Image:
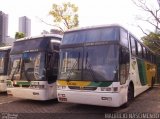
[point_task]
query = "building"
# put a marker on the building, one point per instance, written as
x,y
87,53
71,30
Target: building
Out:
x,y
25,25
3,27
9,40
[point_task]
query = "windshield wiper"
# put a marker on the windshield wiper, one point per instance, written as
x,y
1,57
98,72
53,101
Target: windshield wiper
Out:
x,y
73,67
89,68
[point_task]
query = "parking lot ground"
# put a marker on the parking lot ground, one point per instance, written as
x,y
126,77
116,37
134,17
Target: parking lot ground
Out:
x,y
146,103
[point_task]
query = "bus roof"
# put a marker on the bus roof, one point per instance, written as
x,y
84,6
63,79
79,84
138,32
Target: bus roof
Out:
x,y
40,36
5,48
93,27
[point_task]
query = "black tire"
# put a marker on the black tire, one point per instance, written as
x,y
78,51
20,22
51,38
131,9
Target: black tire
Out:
x,y
152,82
130,96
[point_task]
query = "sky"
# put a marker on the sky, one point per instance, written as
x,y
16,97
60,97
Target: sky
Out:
x,y
91,12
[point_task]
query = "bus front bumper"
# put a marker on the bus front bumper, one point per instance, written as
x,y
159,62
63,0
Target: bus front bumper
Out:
x,y
27,93
3,87
91,98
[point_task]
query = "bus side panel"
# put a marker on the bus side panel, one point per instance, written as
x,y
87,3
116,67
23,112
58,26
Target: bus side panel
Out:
x,y
142,72
150,71
137,75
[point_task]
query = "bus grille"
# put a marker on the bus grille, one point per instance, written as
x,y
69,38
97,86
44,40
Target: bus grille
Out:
x,y
16,85
82,88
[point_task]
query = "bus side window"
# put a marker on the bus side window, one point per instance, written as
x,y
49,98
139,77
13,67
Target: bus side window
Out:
x,y
133,46
52,67
124,65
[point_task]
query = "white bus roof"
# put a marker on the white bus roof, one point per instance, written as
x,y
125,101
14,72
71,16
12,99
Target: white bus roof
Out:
x,y
40,36
94,27
5,48
55,41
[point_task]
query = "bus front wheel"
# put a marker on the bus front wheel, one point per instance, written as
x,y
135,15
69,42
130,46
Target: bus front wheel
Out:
x,y
130,95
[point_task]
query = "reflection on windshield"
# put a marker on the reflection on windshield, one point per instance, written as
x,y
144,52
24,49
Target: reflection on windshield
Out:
x,y
2,60
33,66
71,64
15,62
29,65
91,35
100,63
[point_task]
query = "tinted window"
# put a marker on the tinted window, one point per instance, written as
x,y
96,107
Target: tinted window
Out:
x,y
124,65
139,49
124,38
3,58
133,47
91,35
144,52
104,65
30,45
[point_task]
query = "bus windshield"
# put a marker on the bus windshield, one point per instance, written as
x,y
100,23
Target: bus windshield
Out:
x,y
30,65
33,66
2,61
92,63
91,35
71,64
14,67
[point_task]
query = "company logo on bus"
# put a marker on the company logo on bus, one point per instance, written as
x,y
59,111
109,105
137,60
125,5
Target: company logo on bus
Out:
x,y
71,83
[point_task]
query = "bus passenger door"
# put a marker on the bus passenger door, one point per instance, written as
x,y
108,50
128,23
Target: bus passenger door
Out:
x,y
123,72
52,67
124,65
51,73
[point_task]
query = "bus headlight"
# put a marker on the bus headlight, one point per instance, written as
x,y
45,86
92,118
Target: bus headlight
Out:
x,y
110,89
9,84
37,86
61,87
106,88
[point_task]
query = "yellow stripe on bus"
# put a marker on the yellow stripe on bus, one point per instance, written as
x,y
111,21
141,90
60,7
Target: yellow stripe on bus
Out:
x,y
74,83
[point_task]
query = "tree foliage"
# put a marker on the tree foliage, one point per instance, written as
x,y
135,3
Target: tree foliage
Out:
x,y
65,15
152,40
19,35
152,14
2,44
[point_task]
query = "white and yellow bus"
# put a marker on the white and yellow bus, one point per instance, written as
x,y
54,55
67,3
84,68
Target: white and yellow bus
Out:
x,y
33,67
103,65
4,61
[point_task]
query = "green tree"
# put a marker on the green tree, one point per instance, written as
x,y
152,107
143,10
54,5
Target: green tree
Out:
x,y
19,35
152,40
151,15
65,15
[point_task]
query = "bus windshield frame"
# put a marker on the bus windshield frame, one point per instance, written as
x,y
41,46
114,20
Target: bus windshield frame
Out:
x,y
90,63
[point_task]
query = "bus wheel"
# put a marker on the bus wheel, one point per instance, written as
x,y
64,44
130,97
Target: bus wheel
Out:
x,y
152,82
130,95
